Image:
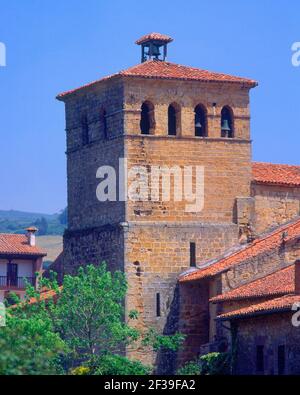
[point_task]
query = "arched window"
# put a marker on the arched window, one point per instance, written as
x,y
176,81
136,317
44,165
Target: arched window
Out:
x,y
200,121
227,122
147,118
103,124
85,130
173,119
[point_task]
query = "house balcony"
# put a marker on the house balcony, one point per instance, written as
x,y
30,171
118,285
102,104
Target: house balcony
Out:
x,y
16,283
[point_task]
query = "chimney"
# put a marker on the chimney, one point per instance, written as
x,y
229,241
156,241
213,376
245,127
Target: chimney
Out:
x,y
297,277
31,236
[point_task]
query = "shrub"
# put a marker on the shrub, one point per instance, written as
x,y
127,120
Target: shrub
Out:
x,y
190,369
80,371
214,364
116,365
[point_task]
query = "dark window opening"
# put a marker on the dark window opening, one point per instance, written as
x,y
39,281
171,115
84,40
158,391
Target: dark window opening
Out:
x,y
260,363
158,311
193,254
227,123
147,122
172,121
200,122
281,360
12,275
85,131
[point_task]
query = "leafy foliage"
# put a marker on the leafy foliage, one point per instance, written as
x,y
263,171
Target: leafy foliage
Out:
x,y
190,369
213,364
157,341
29,345
89,312
118,365
81,331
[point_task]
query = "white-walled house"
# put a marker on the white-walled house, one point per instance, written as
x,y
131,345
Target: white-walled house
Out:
x,y
20,260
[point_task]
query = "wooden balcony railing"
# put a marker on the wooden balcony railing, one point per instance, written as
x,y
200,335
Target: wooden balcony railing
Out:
x,y
18,282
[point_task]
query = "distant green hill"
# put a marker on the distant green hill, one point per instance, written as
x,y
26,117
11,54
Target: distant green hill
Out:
x,y
16,221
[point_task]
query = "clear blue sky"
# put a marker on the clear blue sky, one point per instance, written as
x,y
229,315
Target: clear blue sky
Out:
x,y
56,45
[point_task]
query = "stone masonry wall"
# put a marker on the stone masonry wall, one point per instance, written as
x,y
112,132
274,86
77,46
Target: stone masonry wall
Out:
x,y
274,205
226,162
84,210
92,247
155,255
187,95
226,165
260,266
280,331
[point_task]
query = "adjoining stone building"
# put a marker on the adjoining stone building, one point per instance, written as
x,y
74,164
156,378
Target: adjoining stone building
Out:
x,y
169,117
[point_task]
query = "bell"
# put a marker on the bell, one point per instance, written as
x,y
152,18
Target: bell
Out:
x,y
225,126
156,51
198,125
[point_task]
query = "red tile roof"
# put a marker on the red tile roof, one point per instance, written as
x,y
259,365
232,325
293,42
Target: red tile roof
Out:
x,y
154,36
18,245
157,69
279,283
266,243
278,305
269,173
46,295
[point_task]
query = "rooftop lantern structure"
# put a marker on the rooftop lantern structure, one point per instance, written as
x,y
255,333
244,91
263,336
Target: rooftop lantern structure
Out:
x,y
154,46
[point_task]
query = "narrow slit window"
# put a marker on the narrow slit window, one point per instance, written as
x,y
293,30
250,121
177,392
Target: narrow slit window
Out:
x,y
158,308
260,363
193,254
281,360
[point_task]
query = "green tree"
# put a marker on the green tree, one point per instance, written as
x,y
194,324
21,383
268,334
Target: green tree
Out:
x,y
83,324
42,226
63,217
89,313
29,345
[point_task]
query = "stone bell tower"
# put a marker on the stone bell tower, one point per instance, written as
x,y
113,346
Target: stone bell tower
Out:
x,y
156,124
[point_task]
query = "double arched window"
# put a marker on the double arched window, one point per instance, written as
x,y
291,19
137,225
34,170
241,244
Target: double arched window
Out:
x,y
147,123
174,120
200,121
227,122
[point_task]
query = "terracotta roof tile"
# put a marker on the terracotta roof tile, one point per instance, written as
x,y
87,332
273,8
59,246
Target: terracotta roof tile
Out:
x,y
46,295
11,244
266,243
269,173
277,305
157,69
154,36
279,283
